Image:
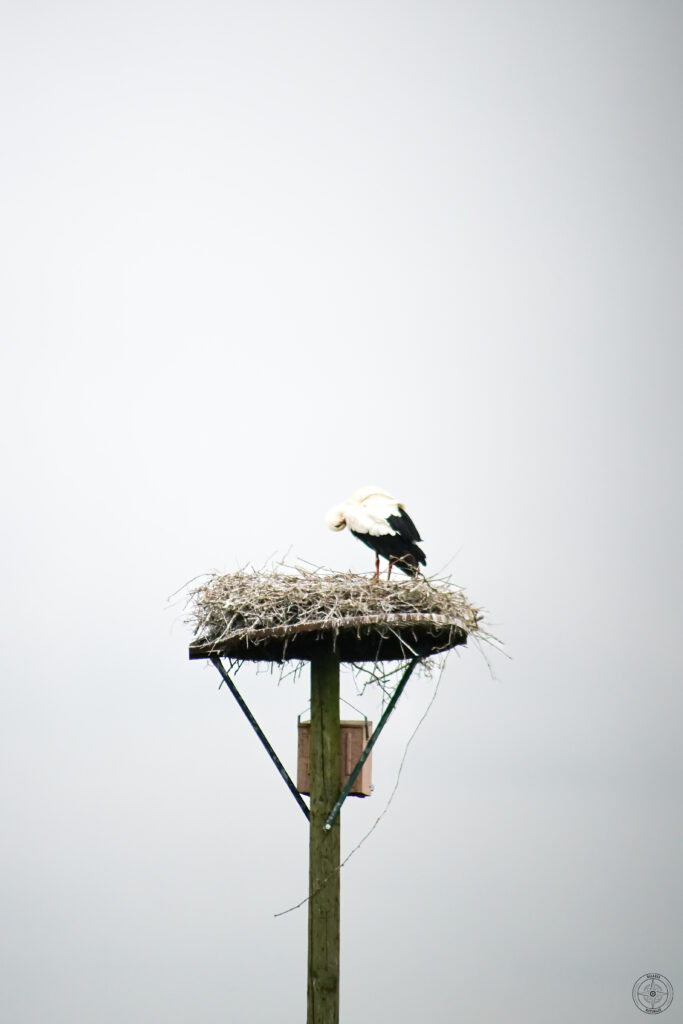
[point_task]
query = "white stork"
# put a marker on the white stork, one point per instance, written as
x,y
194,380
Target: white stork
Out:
x,y
381,522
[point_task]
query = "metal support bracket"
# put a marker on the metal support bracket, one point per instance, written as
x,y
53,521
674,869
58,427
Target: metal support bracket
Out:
x,y
259,732
370,744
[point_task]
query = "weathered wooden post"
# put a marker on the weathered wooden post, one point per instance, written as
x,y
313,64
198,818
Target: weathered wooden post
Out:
x,y
324,846
326,619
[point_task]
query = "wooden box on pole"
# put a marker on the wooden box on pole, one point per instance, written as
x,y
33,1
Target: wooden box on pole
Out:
x,y
352,738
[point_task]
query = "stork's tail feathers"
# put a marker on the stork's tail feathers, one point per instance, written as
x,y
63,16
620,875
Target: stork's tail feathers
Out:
x,y
410,562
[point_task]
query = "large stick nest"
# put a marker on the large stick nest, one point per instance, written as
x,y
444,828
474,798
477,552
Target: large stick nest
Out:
x,y
281,614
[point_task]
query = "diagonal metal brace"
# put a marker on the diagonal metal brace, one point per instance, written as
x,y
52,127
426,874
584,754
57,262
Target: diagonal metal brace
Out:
x,y
370,744
259,732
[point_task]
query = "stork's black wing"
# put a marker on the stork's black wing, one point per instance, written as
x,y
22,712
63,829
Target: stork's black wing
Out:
x,y
404,526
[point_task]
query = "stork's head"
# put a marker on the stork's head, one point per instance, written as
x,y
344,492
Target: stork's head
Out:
x,y
336,518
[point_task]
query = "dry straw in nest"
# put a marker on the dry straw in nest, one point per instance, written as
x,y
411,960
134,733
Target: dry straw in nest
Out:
x,y
274,610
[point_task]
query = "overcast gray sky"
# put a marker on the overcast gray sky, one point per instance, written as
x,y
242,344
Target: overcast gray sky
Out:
x,y
256,256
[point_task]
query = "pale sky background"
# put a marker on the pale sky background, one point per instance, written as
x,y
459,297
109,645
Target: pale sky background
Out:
x,y
258,255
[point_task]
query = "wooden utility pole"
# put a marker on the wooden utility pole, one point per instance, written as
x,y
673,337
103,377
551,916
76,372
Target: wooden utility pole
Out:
x,y
349,630
323,905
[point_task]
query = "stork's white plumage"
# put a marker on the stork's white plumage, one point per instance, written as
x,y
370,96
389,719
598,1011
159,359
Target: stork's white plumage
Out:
x,y
380,521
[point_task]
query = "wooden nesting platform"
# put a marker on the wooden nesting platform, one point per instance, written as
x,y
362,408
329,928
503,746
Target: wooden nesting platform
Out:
x,y
392,638
275,616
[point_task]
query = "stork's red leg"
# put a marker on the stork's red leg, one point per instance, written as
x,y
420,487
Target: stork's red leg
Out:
x,y
391,562
377,568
